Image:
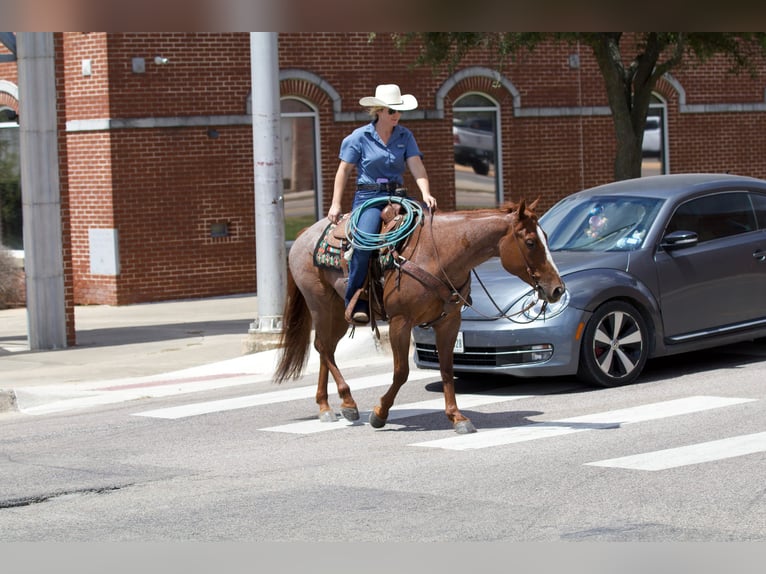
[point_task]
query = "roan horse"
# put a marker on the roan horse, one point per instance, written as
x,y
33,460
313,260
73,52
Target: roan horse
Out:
x,y
429,286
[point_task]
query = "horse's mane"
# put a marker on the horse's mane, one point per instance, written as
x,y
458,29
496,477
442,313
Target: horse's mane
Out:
x,y
506,207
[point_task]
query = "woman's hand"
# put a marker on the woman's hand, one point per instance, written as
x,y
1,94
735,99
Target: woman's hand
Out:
x,y
334,213
430,201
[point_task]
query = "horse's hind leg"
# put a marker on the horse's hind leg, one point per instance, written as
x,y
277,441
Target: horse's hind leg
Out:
x,y
348,407
326,413
325,342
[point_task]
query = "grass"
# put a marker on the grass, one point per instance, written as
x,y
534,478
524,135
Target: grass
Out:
x,y
294,224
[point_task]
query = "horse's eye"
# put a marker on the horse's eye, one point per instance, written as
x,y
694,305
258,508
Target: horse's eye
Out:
x,y
530,243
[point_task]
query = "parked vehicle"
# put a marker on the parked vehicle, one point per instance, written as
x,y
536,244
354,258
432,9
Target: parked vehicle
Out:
x,y
653,266
652,143
474,143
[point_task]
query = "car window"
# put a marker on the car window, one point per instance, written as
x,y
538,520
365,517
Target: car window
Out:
x,y
613,223
715,216
652,123
759,206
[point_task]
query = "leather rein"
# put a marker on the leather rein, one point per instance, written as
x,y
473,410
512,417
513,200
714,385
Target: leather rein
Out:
x,y
451,295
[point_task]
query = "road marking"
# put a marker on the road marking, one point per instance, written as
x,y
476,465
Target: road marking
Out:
x,y
203,408
605,420
430,406
691,454
61,398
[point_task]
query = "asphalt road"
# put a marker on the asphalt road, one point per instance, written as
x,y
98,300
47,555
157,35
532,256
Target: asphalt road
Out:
x,y
677,457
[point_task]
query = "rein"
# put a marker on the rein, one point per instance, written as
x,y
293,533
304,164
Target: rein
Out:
x,y
467,303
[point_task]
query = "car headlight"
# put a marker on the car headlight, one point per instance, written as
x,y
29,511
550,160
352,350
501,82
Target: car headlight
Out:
x,y
531,307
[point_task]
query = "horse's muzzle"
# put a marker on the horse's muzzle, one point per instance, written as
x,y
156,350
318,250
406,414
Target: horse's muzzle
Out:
x,y
551,295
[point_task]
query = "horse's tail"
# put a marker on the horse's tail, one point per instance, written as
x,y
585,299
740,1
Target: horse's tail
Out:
x,y
296,334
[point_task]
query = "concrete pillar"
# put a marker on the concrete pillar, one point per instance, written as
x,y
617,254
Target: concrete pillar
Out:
x,y
269,202
41,195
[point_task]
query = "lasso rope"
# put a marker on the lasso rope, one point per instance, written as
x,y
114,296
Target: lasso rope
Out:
x,y
413,215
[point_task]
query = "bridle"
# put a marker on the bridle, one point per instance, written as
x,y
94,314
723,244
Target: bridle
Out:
x,y
501,315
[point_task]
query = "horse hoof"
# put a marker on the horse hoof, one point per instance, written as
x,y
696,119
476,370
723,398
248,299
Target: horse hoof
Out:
x,y
327,417
350,413
376,421
464,427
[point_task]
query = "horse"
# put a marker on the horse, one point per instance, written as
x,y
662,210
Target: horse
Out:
x,y
428,285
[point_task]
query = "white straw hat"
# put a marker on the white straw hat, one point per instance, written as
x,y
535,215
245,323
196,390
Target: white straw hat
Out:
x,y
389,96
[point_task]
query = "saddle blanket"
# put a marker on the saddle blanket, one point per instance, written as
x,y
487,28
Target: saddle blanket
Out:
x,y
330,256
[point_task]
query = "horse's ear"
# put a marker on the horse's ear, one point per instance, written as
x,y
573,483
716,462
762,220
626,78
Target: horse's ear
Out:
x,y
522,209
533,205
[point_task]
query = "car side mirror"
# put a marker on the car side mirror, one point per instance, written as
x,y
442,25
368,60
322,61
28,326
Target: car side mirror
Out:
x,y
679,240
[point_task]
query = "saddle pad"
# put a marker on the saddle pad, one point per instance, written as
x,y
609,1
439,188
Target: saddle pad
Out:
x,y
326,255
329,256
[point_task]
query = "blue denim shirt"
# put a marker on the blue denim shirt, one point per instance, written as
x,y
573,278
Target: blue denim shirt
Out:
x,y
375,160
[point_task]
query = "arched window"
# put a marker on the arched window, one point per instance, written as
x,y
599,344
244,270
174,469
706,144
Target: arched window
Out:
x,y
475,127
654,149
10,187
300,171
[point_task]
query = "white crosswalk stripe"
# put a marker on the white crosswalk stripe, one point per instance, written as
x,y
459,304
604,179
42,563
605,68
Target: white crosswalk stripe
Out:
x,y
466,401
306,392
690,454
608,419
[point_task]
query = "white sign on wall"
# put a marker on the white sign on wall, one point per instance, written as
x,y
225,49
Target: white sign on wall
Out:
x,y
104,252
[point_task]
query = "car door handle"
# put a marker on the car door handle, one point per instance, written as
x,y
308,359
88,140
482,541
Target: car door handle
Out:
x,y
759,254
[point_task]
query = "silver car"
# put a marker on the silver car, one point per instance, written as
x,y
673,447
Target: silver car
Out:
x,y
653,266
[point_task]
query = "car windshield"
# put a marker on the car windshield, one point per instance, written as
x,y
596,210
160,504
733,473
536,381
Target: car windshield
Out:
x,y
600,223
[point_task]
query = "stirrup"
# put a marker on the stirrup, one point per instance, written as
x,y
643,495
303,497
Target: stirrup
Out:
x,y
360,318
357,317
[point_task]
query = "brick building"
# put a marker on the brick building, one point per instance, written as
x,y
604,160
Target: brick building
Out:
x,y
156,158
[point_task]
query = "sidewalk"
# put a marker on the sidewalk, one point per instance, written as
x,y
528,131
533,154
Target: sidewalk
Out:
x,y
150,349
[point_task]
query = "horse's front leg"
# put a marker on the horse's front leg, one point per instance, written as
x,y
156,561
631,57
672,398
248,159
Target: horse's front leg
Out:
x,y
446,335
399,332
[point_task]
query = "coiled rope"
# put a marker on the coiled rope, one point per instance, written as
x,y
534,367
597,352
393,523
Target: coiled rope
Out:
x,y
412,216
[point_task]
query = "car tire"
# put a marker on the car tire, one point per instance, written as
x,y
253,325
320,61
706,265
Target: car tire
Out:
x,y
481,166
615,346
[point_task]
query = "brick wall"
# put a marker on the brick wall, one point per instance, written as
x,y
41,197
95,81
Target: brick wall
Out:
x,y
163,186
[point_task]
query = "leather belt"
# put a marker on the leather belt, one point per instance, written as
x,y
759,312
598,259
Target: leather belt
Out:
x,y
390,187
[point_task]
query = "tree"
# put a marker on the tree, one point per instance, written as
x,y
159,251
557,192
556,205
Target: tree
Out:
x,y
10,196
629,80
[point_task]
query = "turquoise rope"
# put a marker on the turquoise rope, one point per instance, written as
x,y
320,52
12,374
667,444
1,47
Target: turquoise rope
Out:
x,y
413,214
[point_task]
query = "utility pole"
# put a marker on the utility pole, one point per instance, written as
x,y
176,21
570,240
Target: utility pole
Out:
x,y
269,202
41,193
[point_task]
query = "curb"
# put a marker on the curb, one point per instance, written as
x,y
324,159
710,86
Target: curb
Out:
x,y
354,350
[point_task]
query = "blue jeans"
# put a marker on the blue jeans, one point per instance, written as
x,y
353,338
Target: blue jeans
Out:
x,y
369,222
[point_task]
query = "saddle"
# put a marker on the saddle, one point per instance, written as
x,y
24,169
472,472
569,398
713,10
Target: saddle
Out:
x,y
390,219
333,251
333,246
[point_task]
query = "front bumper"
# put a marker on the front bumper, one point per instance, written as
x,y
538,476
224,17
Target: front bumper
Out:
x,y
539,348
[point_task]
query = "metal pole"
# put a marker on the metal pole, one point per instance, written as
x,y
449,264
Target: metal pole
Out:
x,y
267,164
41,195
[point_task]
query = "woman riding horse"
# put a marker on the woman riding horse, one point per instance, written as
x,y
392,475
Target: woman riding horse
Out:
x,y
429,284
380,151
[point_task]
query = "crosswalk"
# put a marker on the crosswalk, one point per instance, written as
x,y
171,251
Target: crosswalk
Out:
x,y
196,409
605,420
690,454
674,457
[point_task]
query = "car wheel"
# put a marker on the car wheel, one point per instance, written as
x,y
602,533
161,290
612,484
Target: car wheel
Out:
x,y
615,346
481,166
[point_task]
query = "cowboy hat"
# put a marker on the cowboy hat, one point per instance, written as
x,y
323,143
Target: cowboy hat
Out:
x,y
389,96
